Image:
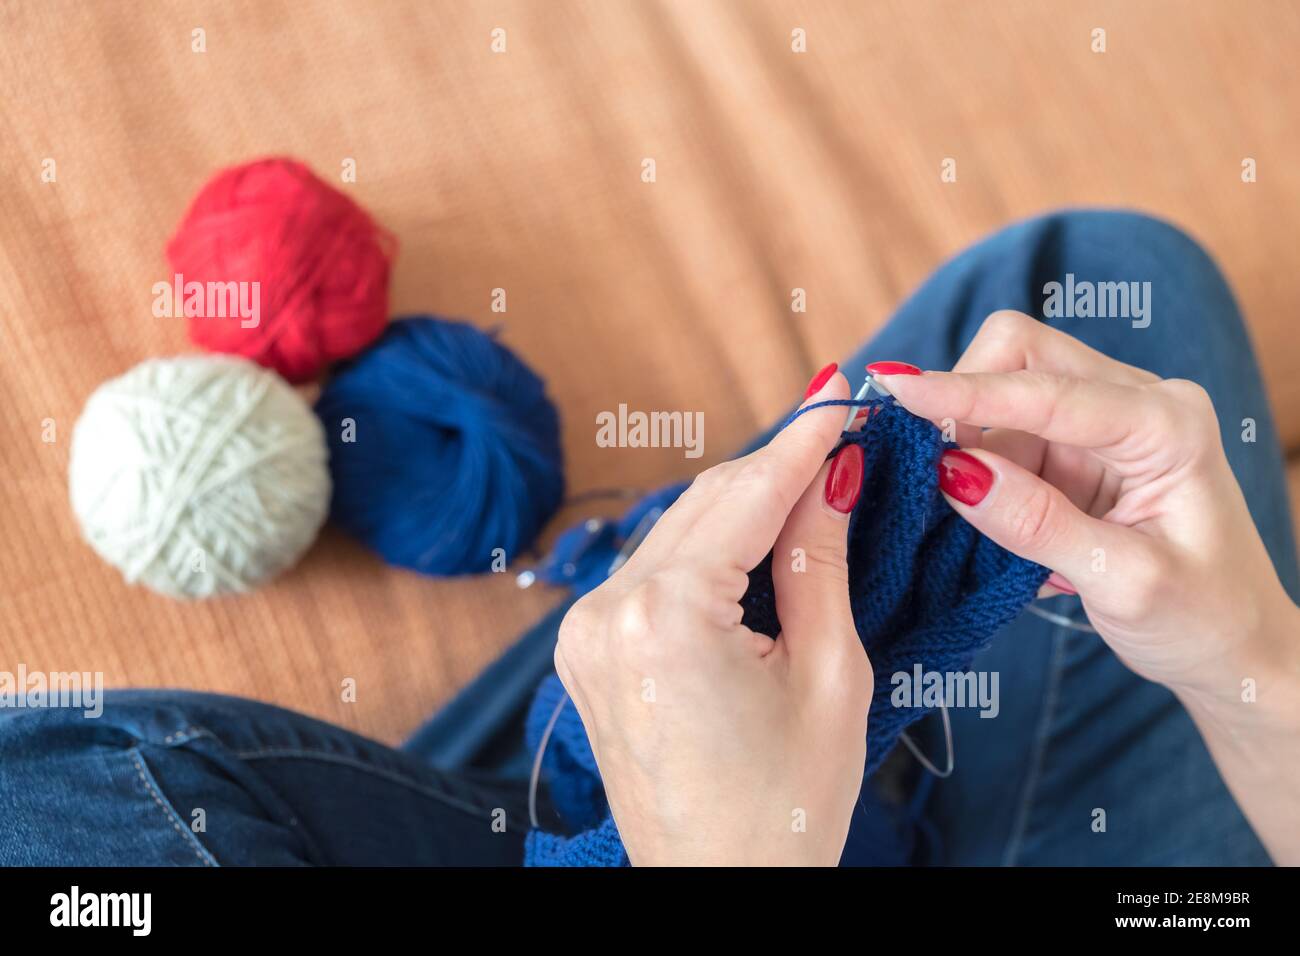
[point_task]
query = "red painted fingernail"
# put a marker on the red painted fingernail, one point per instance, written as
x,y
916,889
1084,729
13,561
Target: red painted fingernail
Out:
x,y
964,476
892,368
820,379
1060,583
844,480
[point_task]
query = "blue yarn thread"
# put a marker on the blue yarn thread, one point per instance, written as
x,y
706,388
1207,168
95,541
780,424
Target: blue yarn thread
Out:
x,y
456,448
842,403
924,586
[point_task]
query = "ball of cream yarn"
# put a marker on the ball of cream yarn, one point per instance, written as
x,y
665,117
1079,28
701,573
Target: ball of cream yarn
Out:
x,y
198,475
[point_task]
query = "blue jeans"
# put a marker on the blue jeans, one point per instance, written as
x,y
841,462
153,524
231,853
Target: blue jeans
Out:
x,y
171,777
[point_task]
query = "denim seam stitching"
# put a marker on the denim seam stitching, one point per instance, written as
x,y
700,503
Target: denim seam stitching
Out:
x,y
365,768
184,736
1039,753
172,817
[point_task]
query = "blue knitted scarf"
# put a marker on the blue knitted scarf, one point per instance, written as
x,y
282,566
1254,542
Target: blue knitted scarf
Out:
x,y
925,587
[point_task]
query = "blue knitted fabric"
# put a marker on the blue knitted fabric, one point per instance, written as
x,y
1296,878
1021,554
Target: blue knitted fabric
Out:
x,y
925,588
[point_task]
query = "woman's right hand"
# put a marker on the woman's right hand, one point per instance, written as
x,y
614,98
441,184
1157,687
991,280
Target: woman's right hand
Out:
x,y
1118,482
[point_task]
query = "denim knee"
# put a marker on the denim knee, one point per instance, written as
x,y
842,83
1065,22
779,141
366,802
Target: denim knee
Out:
x,y
137,785
1165,284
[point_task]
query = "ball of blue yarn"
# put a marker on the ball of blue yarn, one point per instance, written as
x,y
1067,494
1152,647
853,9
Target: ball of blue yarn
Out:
x,y
443,448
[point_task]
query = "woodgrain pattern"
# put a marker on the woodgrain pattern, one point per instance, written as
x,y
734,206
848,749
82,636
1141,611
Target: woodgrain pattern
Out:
x,y
522,171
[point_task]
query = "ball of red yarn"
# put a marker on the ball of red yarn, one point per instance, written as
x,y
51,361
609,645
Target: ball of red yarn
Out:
x,y
320,262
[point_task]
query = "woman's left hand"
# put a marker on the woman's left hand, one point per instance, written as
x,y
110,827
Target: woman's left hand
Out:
x,y
718,745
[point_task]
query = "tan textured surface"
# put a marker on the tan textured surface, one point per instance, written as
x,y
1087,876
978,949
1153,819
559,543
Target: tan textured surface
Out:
x,y
521,171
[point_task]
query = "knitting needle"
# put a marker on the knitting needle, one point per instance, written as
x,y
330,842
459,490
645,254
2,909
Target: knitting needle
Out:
x,y
871,383
863,392
947,742
526,578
